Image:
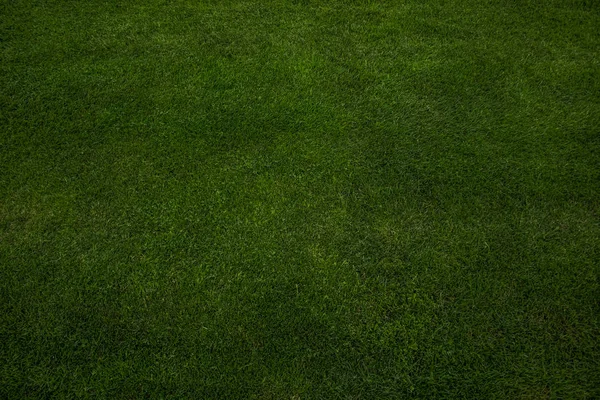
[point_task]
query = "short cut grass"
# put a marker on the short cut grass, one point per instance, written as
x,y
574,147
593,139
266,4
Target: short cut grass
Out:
x,y
299,199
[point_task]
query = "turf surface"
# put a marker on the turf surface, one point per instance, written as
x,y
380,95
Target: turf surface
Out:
x,y
299,199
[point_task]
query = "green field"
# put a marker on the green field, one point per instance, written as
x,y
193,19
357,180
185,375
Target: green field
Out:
x,y
304,199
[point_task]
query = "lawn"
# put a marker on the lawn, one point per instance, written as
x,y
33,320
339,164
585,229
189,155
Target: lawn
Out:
x,y
279,199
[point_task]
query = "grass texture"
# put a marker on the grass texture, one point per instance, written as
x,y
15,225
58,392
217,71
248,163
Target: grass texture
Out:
x,y
286,199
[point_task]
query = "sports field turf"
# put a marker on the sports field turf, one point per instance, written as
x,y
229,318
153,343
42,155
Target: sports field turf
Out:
x,y
286,199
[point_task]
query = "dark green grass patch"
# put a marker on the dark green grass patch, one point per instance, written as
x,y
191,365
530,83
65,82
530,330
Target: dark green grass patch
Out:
x,y
299,199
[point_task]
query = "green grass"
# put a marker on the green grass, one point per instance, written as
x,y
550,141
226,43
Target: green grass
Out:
x,y
302,199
